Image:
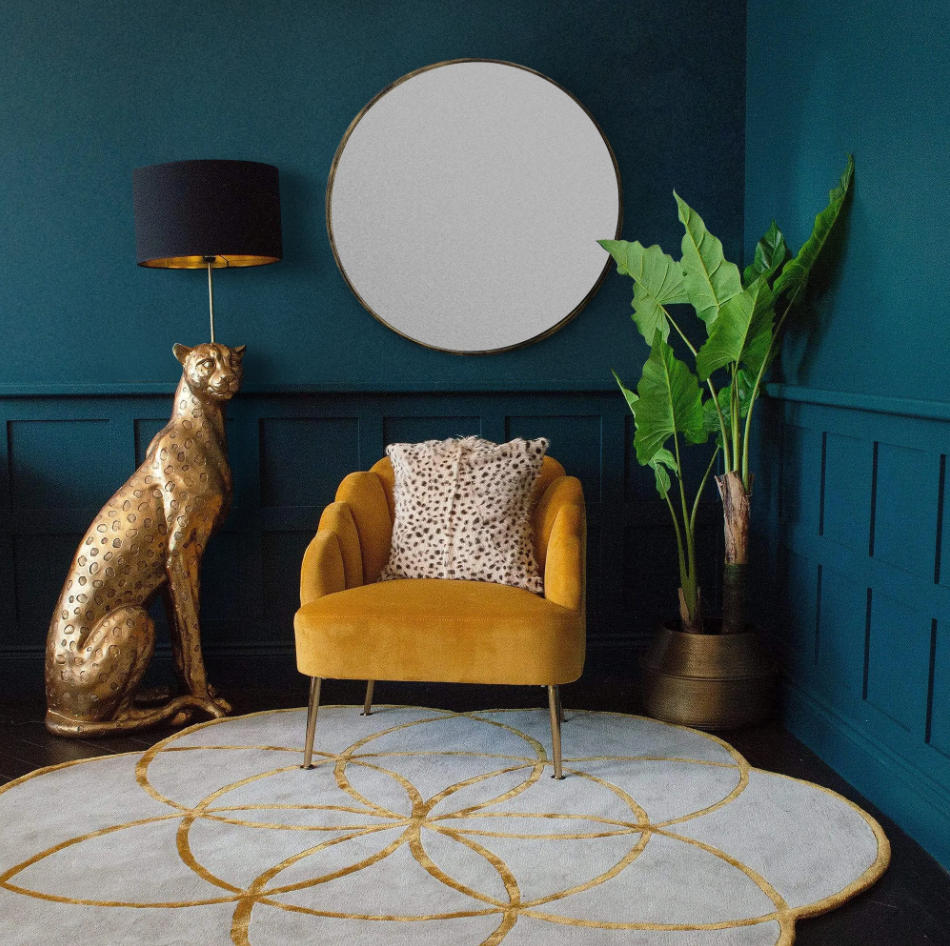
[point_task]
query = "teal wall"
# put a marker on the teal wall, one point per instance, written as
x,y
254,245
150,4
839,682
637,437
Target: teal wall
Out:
x,y
90,91
853,499
872,78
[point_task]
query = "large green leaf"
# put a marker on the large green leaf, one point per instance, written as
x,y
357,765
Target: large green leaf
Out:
x,y
669,402
662,462
742,333
795,275
770,254
658,281
630,397
711,280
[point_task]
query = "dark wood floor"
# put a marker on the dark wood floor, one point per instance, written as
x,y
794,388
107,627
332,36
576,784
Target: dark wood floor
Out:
x,y
909,906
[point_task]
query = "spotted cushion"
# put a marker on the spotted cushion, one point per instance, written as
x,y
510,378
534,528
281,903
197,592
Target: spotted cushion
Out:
x,y
463,511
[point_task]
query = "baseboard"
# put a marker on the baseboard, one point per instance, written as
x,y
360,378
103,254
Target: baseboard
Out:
x,y
263,664
920,806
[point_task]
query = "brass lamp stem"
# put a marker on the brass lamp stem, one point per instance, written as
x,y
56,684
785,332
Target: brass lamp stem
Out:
x,y
211,300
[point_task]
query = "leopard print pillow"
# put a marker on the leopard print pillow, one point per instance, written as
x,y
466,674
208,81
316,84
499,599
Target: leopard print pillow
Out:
x,y
463,511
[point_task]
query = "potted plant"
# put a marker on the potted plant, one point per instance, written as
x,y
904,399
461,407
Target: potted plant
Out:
x,y
713,674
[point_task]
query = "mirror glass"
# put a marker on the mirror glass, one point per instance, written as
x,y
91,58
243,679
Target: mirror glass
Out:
x,y
465,202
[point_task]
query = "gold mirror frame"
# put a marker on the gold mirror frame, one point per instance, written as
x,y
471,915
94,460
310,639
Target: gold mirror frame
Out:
x,y
404,220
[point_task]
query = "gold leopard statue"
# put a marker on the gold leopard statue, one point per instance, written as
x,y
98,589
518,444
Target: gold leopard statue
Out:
x,y
148,538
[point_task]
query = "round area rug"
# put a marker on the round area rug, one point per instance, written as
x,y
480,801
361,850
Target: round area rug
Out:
x,y
420,826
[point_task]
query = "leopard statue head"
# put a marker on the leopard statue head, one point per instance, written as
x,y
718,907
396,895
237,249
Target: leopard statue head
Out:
x,y
212,370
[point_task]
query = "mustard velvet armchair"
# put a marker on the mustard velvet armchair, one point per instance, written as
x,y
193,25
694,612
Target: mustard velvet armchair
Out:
x,y
352,626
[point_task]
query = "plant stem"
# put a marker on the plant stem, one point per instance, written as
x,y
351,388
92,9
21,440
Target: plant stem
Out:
x,y
722,424
691,620
699,492
692,617
689,538
679,539
736,440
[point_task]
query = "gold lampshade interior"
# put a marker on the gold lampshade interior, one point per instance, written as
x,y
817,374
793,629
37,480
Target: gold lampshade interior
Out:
x,y
202,262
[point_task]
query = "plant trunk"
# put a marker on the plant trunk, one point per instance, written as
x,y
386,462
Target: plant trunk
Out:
x,y
735,507
691,624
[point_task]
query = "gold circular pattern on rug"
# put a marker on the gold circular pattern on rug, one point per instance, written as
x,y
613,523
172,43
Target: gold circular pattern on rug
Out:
x,y
420,826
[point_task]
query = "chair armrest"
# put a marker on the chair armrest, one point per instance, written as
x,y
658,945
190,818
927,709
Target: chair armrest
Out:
x,y
322,570
363,492
565,569
352,541
562,491
338,519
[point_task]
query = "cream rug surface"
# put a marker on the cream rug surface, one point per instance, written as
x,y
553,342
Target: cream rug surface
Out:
x,y
420,826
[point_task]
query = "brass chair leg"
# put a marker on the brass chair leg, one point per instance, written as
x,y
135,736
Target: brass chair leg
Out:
x,y
560,706
554,702
368,704
312,709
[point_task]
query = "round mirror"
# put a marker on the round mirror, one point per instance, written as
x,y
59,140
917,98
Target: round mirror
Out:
x,y
465,202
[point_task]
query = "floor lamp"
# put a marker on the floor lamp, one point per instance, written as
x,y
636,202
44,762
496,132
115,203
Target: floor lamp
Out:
x,y
207,214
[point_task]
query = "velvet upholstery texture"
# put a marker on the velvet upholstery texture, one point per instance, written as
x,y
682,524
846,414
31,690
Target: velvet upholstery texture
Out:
x,y
352,626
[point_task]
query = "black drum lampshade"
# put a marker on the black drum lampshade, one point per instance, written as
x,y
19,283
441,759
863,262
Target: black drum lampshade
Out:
x,y
188,211
207,214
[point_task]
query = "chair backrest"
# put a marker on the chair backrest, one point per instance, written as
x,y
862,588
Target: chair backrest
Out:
x,y
550,471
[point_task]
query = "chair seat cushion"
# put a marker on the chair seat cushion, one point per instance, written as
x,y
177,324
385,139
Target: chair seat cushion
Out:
x,y
436,629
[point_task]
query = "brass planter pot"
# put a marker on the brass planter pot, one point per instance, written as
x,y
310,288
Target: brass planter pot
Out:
x,y
709,681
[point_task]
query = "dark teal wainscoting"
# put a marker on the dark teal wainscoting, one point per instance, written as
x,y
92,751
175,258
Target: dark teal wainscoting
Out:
x,y
66,449
857,518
